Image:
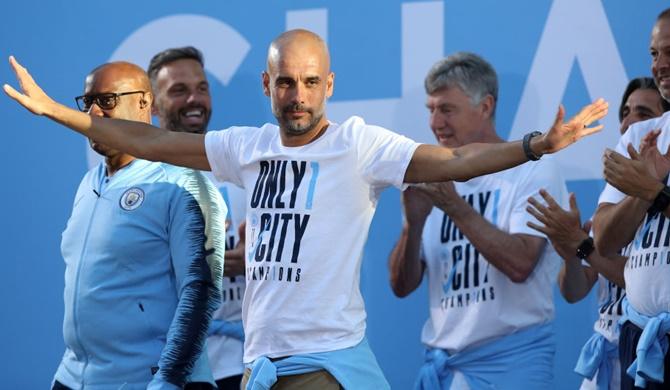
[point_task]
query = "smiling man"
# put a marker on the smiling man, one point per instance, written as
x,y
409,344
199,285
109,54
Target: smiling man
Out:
x,y
183,103
182,99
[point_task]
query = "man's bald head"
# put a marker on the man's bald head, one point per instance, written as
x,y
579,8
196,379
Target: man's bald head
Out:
x,y
122,77
295,43
124,72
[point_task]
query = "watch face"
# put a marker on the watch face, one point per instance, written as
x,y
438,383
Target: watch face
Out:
x,y
585,248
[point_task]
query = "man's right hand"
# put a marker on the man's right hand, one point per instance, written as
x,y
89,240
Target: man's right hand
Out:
x,y
416,205
32,97
233,264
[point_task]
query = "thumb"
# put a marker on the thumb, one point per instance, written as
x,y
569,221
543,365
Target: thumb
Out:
x,y
560,115
573,202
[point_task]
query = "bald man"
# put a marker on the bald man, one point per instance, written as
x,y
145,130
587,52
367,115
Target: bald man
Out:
x,y
143,251
312,187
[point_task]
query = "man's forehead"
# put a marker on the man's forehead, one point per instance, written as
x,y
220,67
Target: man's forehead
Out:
x,y
185,67
108,81
661,30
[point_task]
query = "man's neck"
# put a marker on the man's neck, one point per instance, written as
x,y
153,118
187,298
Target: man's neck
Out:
x,y
306,138
115,163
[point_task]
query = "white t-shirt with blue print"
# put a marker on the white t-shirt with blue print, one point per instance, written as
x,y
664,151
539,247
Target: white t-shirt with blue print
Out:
x,y
309,209
471,302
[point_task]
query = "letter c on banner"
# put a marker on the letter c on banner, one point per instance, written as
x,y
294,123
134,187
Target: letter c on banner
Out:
x,y
209,35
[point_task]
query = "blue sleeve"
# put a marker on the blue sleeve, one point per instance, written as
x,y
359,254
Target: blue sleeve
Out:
x,y
197,244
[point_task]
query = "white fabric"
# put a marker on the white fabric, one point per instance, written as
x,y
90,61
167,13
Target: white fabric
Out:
x,y
610,297
647,271
305,240
225,353
483,304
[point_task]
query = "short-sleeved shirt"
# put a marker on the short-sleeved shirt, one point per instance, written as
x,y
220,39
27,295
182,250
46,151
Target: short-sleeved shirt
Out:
x,y
309,210
471,301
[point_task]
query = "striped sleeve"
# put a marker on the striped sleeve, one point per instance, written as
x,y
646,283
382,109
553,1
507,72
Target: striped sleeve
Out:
x,y
197,246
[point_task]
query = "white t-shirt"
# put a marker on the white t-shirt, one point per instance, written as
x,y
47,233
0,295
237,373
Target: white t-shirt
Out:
x,y
481,303
225,353
309,209
610,297
647,271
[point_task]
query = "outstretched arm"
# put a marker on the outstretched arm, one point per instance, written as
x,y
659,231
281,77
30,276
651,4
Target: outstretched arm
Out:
x,y
435,163
135,138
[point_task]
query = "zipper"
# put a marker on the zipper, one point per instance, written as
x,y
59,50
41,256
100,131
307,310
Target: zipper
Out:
x,y
75,309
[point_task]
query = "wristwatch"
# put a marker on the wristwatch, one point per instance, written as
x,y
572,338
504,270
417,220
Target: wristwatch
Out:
x,y
661,202
526,146
585,248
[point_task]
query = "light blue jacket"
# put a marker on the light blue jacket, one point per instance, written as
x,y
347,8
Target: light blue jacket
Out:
x,y
144,257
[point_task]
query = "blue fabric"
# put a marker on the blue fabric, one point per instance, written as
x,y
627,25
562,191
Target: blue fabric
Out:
x,y
143,268
651,347
520,360
232,329
354,368
596,356
159,384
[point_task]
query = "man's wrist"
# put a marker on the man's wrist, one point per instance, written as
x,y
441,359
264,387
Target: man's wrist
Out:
x,y
585,248
661,201
533,145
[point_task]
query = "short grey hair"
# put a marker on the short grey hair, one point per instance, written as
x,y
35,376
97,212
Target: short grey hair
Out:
x,y
468,71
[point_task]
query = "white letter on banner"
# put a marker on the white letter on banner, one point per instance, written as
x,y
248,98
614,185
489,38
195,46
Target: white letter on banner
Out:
x,y
575,30
223,55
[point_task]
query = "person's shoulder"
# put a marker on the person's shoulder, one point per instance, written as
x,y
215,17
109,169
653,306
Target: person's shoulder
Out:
x,y
180,175
245,131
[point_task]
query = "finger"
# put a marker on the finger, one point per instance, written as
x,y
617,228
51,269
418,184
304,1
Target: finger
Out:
x,y
632,152
539,228
551,202
560,115
590,130
21,73
14,94
538,215
537,205
598,110
573,203
587,226
592,112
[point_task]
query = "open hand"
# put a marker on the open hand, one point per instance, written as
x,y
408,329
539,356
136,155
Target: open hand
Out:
x,y
562,134
561,227
32,97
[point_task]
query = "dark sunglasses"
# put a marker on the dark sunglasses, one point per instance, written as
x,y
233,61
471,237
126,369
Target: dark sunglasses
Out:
x,y
105,101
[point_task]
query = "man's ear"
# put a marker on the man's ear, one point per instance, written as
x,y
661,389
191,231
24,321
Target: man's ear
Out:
x,y
266,83
330,84
488,106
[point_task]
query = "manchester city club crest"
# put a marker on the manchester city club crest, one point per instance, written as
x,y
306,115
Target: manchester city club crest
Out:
x,y
131,199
